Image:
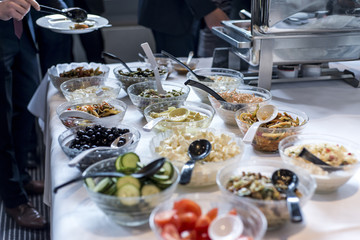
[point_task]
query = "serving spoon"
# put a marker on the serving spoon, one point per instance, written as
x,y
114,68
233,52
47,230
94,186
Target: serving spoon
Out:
x,y
286,181
78,114
190,56
114,57
198,149
314,159
128,137
265,114
148,170
199,77
75,14
176,115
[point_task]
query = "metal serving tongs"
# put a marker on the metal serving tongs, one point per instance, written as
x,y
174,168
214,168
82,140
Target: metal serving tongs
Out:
x,y
75,14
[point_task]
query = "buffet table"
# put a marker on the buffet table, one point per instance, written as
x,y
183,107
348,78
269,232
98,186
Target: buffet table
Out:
x,y
332,106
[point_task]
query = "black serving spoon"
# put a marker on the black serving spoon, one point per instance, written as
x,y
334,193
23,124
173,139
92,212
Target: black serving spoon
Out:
x,y
198,149
114,57
148,170
75,14
286,181
199,77
314,159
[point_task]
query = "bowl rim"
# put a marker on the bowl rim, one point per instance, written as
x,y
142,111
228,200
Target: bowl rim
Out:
x,y
142,65
103,82
153,83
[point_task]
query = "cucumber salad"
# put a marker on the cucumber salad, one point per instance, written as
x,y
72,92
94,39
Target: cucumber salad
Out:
x,y
132,191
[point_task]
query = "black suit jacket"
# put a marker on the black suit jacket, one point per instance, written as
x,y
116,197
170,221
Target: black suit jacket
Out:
x,y
173,17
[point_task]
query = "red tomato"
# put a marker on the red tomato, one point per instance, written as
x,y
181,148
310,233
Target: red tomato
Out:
x,y
202,224
203,236
212,214
244,238
189,235
187,221
169,232
187,205
164,217
233,212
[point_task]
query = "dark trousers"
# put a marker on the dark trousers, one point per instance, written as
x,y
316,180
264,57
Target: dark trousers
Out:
x,y
19,78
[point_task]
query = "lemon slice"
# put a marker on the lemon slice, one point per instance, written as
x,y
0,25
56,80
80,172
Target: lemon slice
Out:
x,y
178,114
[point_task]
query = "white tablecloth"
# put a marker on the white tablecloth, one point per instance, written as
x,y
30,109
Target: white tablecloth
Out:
x,y
333,108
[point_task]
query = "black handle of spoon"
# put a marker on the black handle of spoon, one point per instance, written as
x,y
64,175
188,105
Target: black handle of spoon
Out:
x,y
47,9
293,205
186,172
113,57
178,61
205,88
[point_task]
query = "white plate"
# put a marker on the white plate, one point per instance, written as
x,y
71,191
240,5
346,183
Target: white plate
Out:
x,y
60,24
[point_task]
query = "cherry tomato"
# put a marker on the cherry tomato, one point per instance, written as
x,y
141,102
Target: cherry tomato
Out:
x,y
233,212
202,236
187,205
212,214
164,217
187,221
189,235
169,232
202,224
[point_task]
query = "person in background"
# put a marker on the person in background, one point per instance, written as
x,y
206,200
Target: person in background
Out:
x,y
175,24
19,77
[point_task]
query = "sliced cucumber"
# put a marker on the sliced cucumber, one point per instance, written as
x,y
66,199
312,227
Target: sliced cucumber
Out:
x,y
128,179
118,163
130,160
90,183
169,169
129,194
164,184
149,189
111,190
103,185
159,177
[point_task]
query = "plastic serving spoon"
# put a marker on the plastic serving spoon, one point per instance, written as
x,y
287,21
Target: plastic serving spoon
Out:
x,y
78,114
265,114
199,77
190,56
198,149
74,14
148,170
286,182
128,136
149,54
176,115
314,159
226,227
114,57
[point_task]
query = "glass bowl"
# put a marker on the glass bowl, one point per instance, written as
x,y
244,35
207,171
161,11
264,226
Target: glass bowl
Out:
x,y
227,110
267,139
275,211
90,88
162,60
195,107
129,80
87,70
67,137
180,69
107,121
226,148
142,102
224,79
125,215
337,149
253,219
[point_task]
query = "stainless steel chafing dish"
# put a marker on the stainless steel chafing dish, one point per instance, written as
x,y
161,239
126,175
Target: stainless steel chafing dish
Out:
x,y
284,32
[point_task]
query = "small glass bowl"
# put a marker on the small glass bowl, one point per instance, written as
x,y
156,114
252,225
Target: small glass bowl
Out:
x,y
55,71
276,212
227,148
142,102
227,110
180,69
328,179
202,108
130,216
224,79
108,121
162,60
66,138
90,88
129,80
267,139
252,218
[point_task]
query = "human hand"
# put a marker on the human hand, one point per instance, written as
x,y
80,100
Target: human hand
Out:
x,y
16,9
215,17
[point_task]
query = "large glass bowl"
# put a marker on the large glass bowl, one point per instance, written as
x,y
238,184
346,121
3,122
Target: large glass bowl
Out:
x,y
142,102
68,136
129,80
88,69
328,178
196,107
107,121
90,88
268,139
275,211
224,79
226,148
121,214
253,219
227,110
